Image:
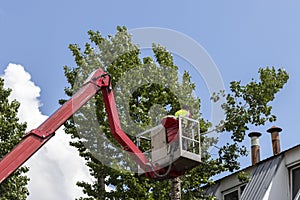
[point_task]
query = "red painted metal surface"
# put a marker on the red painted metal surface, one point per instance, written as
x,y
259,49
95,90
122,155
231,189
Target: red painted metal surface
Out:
x,y
119,135
36,138
20,154
171,125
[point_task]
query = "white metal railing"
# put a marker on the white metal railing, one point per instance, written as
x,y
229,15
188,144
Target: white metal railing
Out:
x,y
189,135
187,139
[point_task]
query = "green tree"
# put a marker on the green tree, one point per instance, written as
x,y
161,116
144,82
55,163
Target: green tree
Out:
x,y
11,132
117,55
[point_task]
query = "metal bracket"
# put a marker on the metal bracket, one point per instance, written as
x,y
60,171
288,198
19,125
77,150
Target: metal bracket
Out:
x,y
102,81
38,133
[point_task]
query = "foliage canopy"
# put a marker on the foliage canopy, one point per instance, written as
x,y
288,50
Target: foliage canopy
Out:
x,y
167,92
11,133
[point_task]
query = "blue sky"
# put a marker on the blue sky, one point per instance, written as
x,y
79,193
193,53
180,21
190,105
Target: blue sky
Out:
x,y
239,36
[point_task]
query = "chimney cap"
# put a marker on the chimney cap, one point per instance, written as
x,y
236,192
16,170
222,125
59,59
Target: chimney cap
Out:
x,y
257,134
274,129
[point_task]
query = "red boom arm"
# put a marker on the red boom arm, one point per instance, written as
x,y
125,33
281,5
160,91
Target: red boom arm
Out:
x,y
36,138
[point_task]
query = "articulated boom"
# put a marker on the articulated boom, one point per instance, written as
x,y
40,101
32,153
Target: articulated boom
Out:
x,y
36,138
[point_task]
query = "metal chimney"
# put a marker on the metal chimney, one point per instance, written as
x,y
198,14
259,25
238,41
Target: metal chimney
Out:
x,y
255,149
274,130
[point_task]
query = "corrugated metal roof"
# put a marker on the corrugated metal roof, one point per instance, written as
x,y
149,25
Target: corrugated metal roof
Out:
x,y
265,168
260,162
261,179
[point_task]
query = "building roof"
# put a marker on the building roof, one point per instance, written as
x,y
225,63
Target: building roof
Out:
x,y
261,179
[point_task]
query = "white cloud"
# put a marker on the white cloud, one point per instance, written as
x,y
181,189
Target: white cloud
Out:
x,y
56,167
26,92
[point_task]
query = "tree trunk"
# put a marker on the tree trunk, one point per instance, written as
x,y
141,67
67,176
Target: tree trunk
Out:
x,y
176,188
102,188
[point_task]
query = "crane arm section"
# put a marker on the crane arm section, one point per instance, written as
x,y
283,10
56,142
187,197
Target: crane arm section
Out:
x,y
36,138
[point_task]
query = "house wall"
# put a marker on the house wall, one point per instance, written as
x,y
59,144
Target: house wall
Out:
x,y
292,157
228,183
218,194
279,187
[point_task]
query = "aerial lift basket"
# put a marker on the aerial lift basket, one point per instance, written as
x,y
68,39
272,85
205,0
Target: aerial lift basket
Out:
x,y
176,143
